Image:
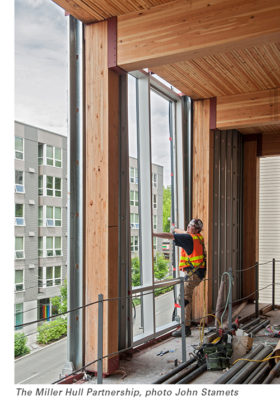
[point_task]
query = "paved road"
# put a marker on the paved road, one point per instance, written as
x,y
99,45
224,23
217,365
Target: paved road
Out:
x,y
43,366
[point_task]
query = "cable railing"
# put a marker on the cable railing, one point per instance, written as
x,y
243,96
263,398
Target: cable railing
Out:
x,y
145,290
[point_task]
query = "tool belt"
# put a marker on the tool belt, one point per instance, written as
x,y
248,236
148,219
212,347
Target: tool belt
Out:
x,y
218,355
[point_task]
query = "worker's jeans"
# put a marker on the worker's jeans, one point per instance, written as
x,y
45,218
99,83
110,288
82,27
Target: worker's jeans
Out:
x,y
189,285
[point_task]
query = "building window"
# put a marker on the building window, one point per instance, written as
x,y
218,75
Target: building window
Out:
x,y
134,198
40,154
40,277
18,315
40,246
154,243
19,249
40,216
19,186
53,246
154,180
19,214
154,201
134,243
155,222
53,276
133,175
53,186
53,156
53,216
18,147
19,280
49,276
40,185
134,221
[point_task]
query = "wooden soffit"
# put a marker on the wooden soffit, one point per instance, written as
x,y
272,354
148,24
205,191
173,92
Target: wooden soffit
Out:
x,y
90,11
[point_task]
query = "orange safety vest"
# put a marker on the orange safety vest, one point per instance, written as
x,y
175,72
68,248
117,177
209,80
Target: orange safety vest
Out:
x,y
197,257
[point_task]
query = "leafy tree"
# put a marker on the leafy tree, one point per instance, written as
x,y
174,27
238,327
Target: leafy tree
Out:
x,y
166,209
59,303
135,271
20,345
160,267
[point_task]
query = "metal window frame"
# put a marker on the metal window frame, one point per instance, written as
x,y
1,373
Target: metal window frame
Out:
x,y
145,83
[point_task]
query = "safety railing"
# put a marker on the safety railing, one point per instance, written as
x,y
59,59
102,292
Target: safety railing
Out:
x,y
150,290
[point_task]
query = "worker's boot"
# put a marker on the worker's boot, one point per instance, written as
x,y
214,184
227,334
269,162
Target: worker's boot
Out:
x,y
178,333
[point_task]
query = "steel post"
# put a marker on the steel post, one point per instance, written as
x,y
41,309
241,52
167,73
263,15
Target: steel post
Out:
x,y
75,193
100,340
258,327
257,289
230,299
273,284
183,325
262,373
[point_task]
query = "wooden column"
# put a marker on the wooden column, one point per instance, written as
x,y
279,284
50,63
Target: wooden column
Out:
x,y
101,195
203,145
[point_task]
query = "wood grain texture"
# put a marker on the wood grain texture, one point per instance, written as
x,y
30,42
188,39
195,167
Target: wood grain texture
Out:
x,y
202,191
101,194
184,30
271,145
230,73
89,11
249,109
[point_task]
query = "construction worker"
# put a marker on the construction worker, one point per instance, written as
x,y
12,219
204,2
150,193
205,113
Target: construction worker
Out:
x,y
192,262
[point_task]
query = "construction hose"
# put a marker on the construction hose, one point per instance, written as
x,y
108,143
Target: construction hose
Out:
x,y
238,366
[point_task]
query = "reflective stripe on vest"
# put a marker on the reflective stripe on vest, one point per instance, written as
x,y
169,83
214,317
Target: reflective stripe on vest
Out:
x,y
196,258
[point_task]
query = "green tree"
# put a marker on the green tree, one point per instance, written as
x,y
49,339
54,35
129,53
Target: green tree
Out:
x,y
135,271
59,303
166,209
20,345
160,267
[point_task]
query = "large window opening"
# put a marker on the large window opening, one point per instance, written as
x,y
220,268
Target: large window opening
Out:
x,y
153,145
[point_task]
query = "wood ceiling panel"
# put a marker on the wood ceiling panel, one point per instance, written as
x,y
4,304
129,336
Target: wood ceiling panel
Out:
x,y
230,73
89,11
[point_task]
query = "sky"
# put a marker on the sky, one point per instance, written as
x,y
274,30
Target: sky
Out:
x,y
41,71
41,78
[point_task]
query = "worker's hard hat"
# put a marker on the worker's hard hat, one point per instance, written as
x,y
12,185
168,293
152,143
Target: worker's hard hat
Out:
x,y
197,223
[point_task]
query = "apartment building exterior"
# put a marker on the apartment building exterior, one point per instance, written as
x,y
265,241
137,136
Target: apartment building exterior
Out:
x,y
157,205
40,222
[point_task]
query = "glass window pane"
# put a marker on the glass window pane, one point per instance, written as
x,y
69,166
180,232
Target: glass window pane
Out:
x,y
19,243
57,273
49,273
19,210
19,143
57,183
57,213
49,243
19,276
49,151
58,242
49,181
49,212
58,154
19,177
